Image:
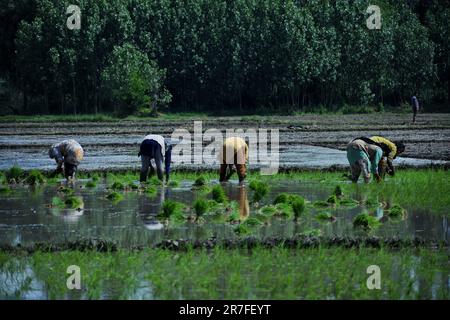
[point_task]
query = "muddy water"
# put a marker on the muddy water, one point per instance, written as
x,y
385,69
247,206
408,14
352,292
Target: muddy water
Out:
x,y
25,217
104,157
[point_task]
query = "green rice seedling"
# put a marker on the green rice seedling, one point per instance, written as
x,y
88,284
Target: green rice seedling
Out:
x,y
65,190
284,210
338,191
173,183
252,222
171,209
117,185
372,202
281,198
34,177
325,216
311,233
14,174
261,189
154,181
348,203
321,204
4,189
365,221
298,207
333,200
132,186
263,218
233,217
199,182
268,210
396,211
91,184
218,194
242,229
74,202
58,202
114,196
95,178
200,207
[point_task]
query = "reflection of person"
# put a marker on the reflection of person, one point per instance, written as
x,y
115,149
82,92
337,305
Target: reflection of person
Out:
x,y
148,210
234,152
155,147
244,207
68,153
390,150
415,107
362,156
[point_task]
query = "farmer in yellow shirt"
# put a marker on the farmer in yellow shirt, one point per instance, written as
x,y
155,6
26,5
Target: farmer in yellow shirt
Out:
x,y
234,152
390,151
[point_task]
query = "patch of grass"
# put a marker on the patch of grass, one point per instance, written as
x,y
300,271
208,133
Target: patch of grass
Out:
x,y
117,186
325,216
65,190
200,207
268,210
115,196
265,274
91,184
74,202
35,177
173,183
321,204
132,186
365,221
284,210
298,207
281,198
260,190
14,174
171,209
312,233
154,181
4,189
348,202
233,217
396,211
333,200
199,182
218,194
58,202
338,192
242,229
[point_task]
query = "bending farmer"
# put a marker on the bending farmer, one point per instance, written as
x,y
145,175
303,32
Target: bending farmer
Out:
x,y
390,151
68,153
157,148
234,152
364,157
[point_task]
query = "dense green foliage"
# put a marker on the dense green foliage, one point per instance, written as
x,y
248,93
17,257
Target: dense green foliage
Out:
x,y
250,55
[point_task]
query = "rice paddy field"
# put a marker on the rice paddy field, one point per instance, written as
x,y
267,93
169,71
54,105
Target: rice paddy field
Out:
x,y
305,233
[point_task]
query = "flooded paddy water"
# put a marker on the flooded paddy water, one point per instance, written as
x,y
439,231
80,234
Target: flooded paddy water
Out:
x,y
27,217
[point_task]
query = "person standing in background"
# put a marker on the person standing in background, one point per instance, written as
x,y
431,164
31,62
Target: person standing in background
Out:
x,y
415,107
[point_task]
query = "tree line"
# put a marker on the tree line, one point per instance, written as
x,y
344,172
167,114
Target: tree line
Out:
x,y
135,56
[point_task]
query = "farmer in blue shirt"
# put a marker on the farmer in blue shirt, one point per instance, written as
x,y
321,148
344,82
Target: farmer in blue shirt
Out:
x,y
155,147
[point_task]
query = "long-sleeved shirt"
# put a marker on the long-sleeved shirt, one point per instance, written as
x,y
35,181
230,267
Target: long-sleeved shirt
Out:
x,y
234,147
392,147
69,151
166,149
373,152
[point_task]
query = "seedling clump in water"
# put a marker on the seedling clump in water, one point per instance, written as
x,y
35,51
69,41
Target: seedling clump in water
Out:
x,y
34,177
199,182
365,221
91,184
396,211
332,200
114,196
200,207
260,190
74,202
298,207
218,194
338,191
171,209
14,174
323,216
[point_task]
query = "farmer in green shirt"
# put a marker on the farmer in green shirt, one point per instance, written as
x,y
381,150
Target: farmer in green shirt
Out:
x,y
364,157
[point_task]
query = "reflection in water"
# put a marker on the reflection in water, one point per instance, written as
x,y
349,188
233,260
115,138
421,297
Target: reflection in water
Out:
x,y
244,207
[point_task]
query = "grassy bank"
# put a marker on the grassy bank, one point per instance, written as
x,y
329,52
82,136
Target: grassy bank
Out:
x,y
230,274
